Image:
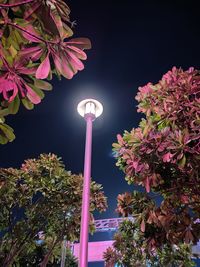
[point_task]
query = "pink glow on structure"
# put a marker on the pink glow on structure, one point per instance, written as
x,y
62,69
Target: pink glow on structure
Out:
x,y
95,250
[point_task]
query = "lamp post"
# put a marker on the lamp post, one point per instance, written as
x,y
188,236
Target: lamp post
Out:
x,y
90,109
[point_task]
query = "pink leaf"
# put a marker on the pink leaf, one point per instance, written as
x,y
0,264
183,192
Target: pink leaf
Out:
x,y
29,71
135,165
9,86
79,53
161,147
167,157
15,91
43,69
35,56
31,95
33,53
63,67
74,61
82,43
67,71
120,139
57,62
142,226
147,184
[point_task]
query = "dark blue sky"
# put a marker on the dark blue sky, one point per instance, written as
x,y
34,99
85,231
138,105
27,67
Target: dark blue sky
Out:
x,y
134,42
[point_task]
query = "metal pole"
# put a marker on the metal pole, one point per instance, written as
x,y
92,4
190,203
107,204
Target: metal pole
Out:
x,y
63,256
83,250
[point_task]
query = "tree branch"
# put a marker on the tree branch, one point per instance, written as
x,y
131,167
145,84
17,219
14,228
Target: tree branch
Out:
x,y
16,249
46,258
27,32
21,29
16,4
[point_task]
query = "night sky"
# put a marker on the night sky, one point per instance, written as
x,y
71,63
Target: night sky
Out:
x,y
133,43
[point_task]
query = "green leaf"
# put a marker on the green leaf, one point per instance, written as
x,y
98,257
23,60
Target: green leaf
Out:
x,y
67,31
38,91
43,85
2,120
9,60
14,105
27,103
3,140
18,37
116,145
12,50
7,132
163,124
182,162
4,112
21,21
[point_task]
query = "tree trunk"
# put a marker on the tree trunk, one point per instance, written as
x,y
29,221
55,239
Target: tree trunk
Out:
x,y
46,258
10,259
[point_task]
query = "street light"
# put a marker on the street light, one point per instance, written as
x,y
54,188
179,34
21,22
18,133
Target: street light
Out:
x,y
90,109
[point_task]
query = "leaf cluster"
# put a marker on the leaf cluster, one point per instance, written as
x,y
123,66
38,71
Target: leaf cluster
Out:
x,y
41,201
163,156
35,44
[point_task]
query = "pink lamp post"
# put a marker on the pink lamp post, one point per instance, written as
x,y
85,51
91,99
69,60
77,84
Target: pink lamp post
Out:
x,y
90,109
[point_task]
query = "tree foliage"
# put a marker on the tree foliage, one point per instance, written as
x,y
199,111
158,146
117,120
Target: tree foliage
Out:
x,y
130,249
35,44
163,156
41,201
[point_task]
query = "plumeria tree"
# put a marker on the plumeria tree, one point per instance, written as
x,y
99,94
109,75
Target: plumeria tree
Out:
x,y
163,156
35,44
131,242
40,205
